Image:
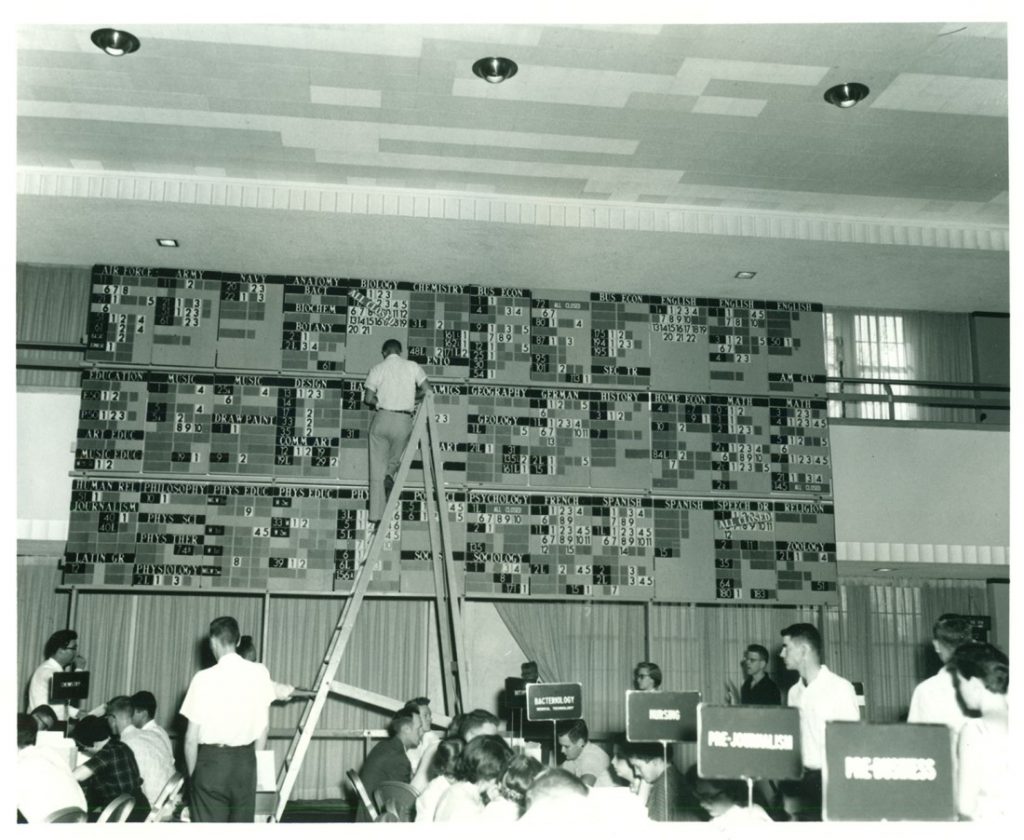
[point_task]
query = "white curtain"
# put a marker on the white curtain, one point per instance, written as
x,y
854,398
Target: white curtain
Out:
x,y
899,344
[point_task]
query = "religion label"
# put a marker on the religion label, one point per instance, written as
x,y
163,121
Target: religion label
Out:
x,y
661,715
901,771
554,701
748,742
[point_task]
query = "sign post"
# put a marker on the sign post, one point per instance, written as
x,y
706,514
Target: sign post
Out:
x,y
887,771
554,702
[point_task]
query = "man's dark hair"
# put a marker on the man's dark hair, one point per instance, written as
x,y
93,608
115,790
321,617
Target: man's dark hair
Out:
x,y
442,763
144,701
952,630
985,661
418,702
643,750
27,729
60,639
652,669
47,712
402,718
575,729
520,774
807,633
392,345
554,784
485,758
225,628
474,720
716,790
245,646
90,730
760,650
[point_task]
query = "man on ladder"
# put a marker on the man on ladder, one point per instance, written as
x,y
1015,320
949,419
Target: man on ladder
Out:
x,y
393,388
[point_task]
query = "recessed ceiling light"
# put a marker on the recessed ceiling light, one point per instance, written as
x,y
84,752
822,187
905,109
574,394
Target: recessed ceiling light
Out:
x,y
883,569
495,69
846,95
115,42
167,243
745,275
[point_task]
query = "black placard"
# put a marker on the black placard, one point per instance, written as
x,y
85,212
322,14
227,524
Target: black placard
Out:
x,y
901,771
748,742
69,686
554,701
661,715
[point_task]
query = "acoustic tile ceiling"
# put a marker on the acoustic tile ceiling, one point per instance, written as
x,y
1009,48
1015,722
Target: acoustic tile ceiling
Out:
x,y
726,122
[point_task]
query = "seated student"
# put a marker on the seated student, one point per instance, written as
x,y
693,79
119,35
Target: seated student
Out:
x,y
584,759
670,799
45,717
156,764
43,780
420,756
440,776
985,782
144,714
109,771
387,762
478,772
621,772
725,800
477,722
509,805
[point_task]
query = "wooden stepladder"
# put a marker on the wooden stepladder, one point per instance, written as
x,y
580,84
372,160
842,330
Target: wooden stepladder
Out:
x,y
424,438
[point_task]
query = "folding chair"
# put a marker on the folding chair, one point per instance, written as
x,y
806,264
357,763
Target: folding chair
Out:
x,y
398,798
118,810
364,797
72,814
166,800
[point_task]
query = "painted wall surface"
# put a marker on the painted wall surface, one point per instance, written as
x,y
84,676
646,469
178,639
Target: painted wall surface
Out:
x,y
47,429
921,486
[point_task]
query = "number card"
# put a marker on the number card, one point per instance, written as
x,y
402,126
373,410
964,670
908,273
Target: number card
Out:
x,y
748,742
661,715
554,701
900,771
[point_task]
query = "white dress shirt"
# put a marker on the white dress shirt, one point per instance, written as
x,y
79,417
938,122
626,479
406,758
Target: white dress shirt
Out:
x,y
394,381
827,697
156,764
934,701
39,689
230,702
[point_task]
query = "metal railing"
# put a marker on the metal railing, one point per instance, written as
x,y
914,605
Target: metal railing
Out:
x,y
976,397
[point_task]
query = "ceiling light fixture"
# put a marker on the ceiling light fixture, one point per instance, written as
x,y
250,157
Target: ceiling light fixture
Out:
x,y
883,569
495,70
167,243
846,95
745,275
115,42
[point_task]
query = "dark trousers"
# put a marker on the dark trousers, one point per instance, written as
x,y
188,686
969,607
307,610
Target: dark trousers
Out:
x,y
803,797
224,784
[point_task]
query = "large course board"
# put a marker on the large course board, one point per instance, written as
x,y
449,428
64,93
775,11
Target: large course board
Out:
x,y
595,445
282,536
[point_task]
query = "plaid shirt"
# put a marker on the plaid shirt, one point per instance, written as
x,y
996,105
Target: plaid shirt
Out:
x,y
115,771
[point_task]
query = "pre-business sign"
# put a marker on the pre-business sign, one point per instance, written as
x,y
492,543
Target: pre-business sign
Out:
x,y
901,771
661,715
554,701
752,742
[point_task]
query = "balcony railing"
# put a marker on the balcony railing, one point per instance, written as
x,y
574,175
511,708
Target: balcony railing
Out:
x,y
970,402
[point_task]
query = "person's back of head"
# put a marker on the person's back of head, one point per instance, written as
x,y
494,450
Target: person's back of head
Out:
x,y
485,758
27,729
225,629
44,716
445,757
984,661
391,347
556,794
948,633
90,730
519,776
143,703
476,722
